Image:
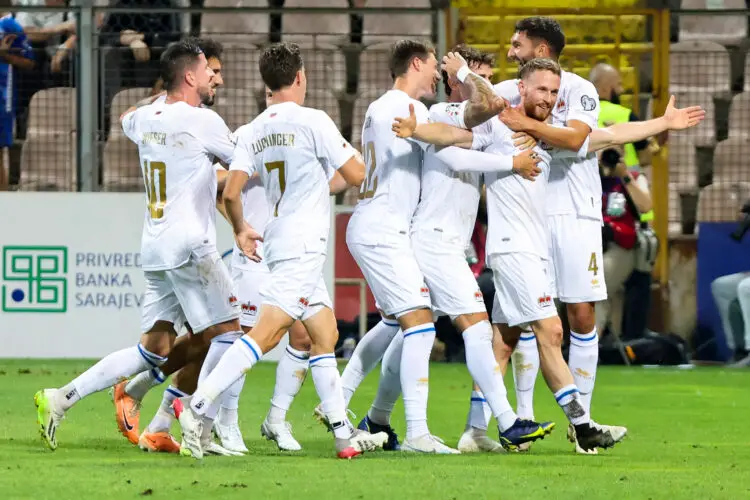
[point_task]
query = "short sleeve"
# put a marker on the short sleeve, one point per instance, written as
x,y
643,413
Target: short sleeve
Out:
x,y
330,145
216,136
423,116
482,135
130,126
583,103
580,154
242,159
450,113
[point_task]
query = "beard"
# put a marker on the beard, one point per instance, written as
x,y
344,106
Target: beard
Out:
x,y
535,112
207,98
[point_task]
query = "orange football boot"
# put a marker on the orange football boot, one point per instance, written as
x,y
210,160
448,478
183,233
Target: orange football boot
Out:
x,y
127,413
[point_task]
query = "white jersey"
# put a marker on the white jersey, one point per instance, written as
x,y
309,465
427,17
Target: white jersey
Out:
x,y
293,149
390,193
516,206
449,199
177,144
574,184
256,212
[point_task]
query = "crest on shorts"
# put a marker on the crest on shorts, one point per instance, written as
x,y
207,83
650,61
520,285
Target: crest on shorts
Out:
x,y
545,301
304,301
478,296
232,300
425,291
588,103
249,309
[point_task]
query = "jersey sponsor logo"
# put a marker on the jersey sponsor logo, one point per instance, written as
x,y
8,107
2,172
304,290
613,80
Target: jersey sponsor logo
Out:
x,y
424,291
249,309
588,103
545,301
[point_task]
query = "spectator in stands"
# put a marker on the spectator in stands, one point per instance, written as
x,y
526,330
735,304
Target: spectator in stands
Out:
x,y
15,52
726,290
625,195
143,34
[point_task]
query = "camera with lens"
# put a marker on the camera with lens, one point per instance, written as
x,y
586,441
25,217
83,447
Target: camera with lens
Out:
x,y
608,160
744,224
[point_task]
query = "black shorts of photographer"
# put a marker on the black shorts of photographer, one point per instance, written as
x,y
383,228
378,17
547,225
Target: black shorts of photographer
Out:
x,y
625,195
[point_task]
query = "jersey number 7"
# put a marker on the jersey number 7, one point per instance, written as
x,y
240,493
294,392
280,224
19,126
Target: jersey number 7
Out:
x,y
155,177
270,167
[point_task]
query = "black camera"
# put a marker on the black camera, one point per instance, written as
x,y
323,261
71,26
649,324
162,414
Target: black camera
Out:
x,y
608,161
744,224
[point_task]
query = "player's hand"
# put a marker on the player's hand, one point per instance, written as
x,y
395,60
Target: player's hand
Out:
x,y
514,118
526,166
247,241
6,42
523,141
452,62
679,119
141,52
405,127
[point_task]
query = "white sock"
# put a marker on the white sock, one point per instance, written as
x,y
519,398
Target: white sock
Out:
x,y
236,361
219,345
290,374
228,416
164,417
569,400
138,386
366,355
479,412
582,360
485,371
230,402
525,359
327,382
107,372
389,387
415,372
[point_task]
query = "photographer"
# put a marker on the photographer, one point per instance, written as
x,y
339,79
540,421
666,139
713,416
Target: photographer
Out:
x,y
735,288
628,244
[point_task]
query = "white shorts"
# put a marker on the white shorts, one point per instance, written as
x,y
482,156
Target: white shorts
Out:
x,y
297,286
200,292
576,259
453,287
249,280
523,289
394,277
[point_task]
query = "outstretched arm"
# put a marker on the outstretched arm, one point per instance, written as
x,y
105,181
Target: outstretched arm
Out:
x,y
439,134
625,133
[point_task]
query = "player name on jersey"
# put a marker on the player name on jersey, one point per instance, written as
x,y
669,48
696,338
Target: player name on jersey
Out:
x,y
273,140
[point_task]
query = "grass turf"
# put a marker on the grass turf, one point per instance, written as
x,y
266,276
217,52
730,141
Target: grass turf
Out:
x,y
688,438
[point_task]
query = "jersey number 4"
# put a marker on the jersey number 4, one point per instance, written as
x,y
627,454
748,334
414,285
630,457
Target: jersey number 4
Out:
x,y
371,181
155,177
270,167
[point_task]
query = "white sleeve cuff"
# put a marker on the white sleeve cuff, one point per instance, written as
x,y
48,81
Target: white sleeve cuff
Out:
x,y
462,73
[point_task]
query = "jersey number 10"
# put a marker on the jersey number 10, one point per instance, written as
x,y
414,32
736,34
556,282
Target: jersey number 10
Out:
x,y
371,181
155,177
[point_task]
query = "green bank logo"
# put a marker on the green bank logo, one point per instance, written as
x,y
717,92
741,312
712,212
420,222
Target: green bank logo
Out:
x,y
35,279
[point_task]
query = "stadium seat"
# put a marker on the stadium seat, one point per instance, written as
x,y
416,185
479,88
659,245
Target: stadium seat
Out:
x,y
52,111
121,102
739,116
731,160
722,201
240,68
238,107
48,163
699,65
121,166
325,67
379,28
329,29
327,101
365,96
705,134
725,29
236,27
683,169
374,67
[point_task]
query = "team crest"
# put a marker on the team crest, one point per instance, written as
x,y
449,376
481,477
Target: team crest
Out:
x,y
249,309
303,301
425,291
561,105
232,300
453,109
545,301
478,296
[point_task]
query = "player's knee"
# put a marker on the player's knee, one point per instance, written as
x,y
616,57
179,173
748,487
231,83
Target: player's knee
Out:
x,y
299,339
159,343
582,317
549,335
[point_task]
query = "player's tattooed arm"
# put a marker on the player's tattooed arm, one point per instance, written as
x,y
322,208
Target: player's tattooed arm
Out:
x,y
440,134
570,137
625,133
483,103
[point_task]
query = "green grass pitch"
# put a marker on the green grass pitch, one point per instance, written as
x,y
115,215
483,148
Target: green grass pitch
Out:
x,y
688,439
